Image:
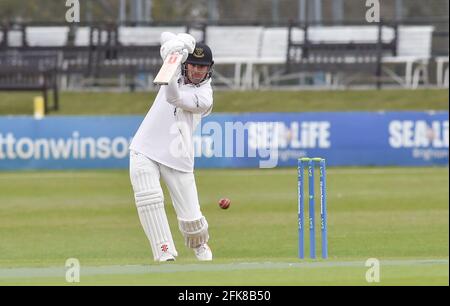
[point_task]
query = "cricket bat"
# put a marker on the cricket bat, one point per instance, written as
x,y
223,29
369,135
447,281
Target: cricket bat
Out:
x,y
168,69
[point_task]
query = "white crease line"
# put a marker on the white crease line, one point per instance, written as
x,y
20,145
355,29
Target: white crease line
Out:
x,y
207,267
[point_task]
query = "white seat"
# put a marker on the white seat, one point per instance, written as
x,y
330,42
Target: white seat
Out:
x,y
236,45
273,52
82,37
346,34
234,41
14,38
47,36
143,36
413,51
414,41
275,41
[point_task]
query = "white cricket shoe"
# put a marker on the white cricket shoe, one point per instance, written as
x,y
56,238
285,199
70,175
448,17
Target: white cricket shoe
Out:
x,y
166,257
203,252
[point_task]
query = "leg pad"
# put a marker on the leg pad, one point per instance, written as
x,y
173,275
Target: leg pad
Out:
x,y
195,232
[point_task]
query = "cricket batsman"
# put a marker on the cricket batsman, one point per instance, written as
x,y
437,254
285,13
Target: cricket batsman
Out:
x,y
163,148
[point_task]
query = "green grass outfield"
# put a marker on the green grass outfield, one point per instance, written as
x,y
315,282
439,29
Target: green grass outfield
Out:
x,y
397,215
92,103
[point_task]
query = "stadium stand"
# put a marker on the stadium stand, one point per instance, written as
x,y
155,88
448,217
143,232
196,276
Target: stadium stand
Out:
x,y
330,49
246,56
339,49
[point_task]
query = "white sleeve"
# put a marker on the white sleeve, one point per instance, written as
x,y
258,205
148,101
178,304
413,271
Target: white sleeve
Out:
x,y
199,102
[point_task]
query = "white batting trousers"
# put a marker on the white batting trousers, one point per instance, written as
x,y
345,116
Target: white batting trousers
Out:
x,y
145,177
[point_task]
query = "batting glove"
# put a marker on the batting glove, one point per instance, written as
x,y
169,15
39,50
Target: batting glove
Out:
x,y
171,46
188,40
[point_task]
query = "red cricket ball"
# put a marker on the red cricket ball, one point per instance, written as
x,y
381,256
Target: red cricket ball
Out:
x,y
224,203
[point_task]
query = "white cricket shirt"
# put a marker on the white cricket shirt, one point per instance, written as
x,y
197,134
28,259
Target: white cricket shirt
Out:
x,y
166,134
